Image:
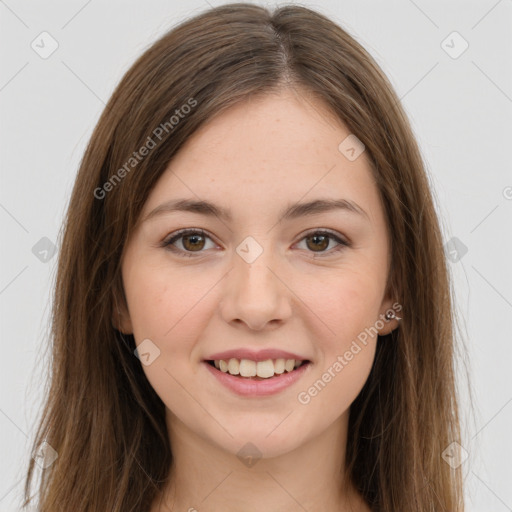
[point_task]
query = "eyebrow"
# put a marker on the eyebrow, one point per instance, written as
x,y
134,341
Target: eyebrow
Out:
x,y
291,212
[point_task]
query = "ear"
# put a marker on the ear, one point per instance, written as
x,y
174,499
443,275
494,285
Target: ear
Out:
x,y
120,315
389,308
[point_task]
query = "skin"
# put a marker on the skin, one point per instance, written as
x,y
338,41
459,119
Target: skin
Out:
x,y
256,158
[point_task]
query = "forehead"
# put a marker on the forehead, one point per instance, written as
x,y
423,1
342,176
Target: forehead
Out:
x,y
283,129
276,149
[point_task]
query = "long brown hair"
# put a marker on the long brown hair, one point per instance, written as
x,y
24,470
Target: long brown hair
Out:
x,y
101,416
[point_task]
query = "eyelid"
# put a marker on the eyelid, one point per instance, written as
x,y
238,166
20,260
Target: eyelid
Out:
x,y
325,231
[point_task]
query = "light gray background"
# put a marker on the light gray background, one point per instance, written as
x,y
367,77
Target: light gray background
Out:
x,y
460,109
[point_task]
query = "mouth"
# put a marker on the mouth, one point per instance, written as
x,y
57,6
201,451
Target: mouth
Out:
x,y
249,370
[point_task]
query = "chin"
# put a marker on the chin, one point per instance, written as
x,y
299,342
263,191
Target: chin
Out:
x,y
259,440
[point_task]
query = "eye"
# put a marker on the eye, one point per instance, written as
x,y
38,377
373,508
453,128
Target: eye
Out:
x,y
193,241
321,240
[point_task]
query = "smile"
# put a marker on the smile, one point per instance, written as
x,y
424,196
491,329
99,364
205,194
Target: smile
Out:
x,y
254,369
256,379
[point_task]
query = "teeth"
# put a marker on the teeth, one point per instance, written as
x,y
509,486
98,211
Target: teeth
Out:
x,y
265,369
234,366
279,366
262,369
289,365
247,368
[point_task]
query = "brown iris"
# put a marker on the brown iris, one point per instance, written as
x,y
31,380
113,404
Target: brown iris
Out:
x,y
324,241
194,244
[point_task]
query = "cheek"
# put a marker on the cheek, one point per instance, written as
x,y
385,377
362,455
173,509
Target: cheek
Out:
x,y
170,310
333,389
346,351
163,303
347,304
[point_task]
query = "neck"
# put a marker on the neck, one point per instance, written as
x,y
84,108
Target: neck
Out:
x,y
207,478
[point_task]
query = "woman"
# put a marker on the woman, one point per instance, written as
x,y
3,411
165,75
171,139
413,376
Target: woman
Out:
x,y
252,308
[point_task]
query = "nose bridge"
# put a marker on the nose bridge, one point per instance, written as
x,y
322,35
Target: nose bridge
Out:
x,y
253,263
255,294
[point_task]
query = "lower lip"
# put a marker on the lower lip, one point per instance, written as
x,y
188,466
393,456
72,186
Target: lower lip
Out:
x,y
248,387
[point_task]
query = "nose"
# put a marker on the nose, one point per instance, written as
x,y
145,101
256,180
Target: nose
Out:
x,y
255,294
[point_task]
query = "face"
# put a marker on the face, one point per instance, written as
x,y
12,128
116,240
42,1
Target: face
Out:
x,y
309,284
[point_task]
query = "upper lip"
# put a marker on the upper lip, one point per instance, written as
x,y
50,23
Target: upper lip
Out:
x,y
255,355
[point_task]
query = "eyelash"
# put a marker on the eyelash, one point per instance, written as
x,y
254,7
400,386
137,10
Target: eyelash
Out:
x,y
188,254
